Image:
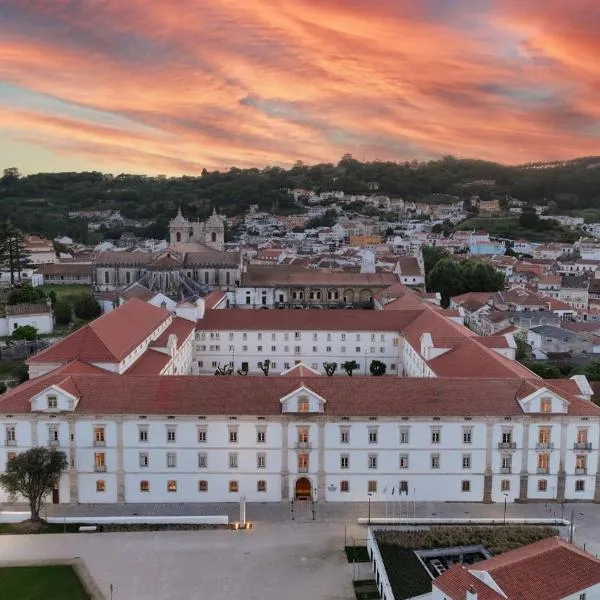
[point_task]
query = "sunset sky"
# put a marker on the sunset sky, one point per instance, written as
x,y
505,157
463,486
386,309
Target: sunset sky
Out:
x,y
172,86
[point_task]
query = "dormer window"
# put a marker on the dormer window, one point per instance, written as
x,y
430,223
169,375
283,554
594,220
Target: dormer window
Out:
x,y
546,405
303,404
52,402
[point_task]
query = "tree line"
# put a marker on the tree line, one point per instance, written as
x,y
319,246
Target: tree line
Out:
x,y
40,203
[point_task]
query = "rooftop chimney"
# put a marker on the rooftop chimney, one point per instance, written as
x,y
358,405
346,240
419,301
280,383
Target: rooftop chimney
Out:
x,y
471,593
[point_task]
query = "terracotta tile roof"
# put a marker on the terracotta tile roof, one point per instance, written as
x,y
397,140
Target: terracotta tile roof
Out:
x,y
550,569
237,319
124,258
300,370
137,290
278,275
110,338
345,396
65,269
214,298
494,341
27,309
212,257
181,328
151,362
409,266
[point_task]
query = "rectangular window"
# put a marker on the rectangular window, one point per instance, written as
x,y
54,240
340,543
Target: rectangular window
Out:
x,y
261,436
53,435
273,348
467,435
11,435
404,461
261,460
582,435
171,460
404,435
505,485
372,461
465,485
344,461
99,436
201,436
344,486
435,436
544,435
171,486
233,460
372,436
261,485
233,435
344,436
506,464
580,464
358,349
202,460
100,461
203,485
302,436
546,405
343,337
579,485
144,460
233,487
507,437
303,405
543,462
466,461
372,487
435,461
303,463
542,485
144,486
52,402
171,435
100,486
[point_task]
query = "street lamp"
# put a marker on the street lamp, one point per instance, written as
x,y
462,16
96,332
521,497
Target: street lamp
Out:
x,y
572,526
505,499
369,519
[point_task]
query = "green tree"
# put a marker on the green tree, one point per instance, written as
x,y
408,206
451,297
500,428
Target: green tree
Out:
x,y
87,307
523,351
349,366
62,312
264,366
528,218
544,370
3,387
33,474
432,255
377,368
447,279
592,370
25,332
26,294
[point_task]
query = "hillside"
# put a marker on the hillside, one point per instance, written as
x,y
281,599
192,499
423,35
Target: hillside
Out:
x,y
39,203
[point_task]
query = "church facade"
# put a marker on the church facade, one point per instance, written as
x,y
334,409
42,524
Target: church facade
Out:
x,y
193,264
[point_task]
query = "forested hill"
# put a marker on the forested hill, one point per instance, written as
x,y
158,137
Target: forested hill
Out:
x,y
39,203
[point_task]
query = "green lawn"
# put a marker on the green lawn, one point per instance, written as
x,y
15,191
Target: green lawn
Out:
x,y
53,582
66,292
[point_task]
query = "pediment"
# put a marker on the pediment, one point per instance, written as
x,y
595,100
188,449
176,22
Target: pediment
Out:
x,y
544,401
54,399
303,400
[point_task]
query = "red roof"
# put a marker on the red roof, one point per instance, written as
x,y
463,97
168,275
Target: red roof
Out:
x,y
182,328
110,338
238,319
214,298
550,569
259,395
152,362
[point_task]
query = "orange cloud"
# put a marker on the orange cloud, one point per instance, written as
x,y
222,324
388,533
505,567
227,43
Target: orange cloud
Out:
x,y
224,82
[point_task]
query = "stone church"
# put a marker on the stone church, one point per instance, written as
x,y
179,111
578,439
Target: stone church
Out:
x,y
194,263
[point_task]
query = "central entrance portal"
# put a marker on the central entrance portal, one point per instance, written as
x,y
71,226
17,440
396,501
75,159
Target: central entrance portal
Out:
x,y
303,489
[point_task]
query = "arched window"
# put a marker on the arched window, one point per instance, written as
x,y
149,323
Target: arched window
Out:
x,y
206,277
227,277
106,277
127,276
178,236
213,237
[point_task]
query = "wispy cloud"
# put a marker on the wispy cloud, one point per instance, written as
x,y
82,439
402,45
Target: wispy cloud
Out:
x,y
158,87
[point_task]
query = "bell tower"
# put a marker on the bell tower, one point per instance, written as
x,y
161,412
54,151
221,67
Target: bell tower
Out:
x,y
214,231
179,229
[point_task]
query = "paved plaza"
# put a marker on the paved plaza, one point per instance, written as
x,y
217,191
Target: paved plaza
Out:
x,y
278,558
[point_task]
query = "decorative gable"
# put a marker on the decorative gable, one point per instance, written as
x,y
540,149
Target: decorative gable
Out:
x,y
54,399
543,401
302,400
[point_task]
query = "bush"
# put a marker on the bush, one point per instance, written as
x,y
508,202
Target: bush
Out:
x,y
62,312
87,307
26,295
25,332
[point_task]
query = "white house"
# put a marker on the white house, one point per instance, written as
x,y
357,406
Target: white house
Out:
x,y
19,315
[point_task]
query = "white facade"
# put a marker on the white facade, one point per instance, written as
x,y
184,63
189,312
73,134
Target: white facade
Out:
x,y
288,347
43,322
130,458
